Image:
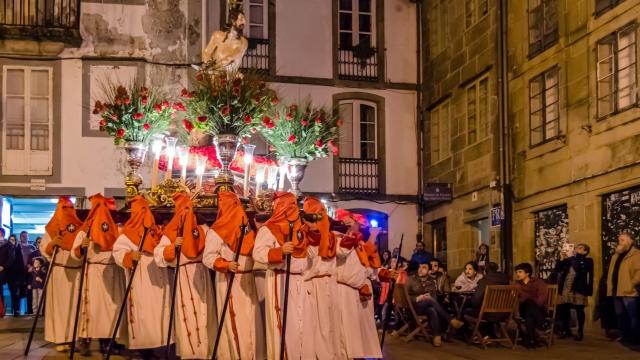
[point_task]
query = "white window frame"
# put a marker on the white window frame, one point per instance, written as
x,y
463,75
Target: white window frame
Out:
x,y
265,17
357,139
355,23
477,116
443,151
27,152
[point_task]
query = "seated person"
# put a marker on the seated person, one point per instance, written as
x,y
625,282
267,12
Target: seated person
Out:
x,y
437,273
532,294
492,277
468,280
422,292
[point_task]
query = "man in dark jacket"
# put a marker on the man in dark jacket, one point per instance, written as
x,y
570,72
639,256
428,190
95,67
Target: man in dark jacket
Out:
x,y
492,277
7,257
15,274
27,251
532,294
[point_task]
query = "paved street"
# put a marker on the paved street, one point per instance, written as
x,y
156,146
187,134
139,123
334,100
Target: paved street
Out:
x,y
14,333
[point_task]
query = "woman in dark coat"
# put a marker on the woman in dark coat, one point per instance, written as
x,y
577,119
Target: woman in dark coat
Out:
x,y
575,285
16,275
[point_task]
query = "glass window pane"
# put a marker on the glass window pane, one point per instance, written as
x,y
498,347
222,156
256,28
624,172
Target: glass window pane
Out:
x,y
536,119
626,57
364,23
605,67
444,131
605,86
346,39
626,37
40,83
15,82
469,8
15,110
536,136
551,95
365,39
346,21
551,130
605,49
483,115
605,105
256,14
256,32
367,150
364,6
39,137
346,5
40,111
535,86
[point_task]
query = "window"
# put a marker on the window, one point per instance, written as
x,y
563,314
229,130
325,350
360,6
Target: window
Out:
x,y
27,120
543,25
438,21
440,148
544,114
616,72
359,134
257,19
474,11
439,237
551,235
357,23
602,6
477,111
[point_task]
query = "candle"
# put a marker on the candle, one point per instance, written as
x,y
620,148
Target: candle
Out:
x,y
156,147
272,178
260,169
283,173
171,153
201,164
248,159
183,159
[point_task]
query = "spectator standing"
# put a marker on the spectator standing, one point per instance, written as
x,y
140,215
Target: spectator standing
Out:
x,y
532,294
575,285
420,255
623,282
37,274
482,258
27,251
468,280
386,259
6,258
15,274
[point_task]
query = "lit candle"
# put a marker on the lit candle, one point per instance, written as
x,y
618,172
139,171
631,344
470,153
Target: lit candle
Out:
x,y
260,169
171,153
183,159
283,174
201,164
156,147
272,178
248,159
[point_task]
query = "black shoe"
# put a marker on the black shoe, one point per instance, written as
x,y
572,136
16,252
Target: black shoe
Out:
x,y
530,344
565,335
579,336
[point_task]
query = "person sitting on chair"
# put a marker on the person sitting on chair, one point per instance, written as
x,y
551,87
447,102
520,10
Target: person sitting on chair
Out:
x,y
422,292
532,294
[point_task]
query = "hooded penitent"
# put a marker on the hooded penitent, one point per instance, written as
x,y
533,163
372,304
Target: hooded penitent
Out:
x,y
141,218
64,223
231,216
99,224
184,224
326,242
285,210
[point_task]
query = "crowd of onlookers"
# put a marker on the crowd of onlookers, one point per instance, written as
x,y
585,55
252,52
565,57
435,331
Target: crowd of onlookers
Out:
x,y
23,271
447,303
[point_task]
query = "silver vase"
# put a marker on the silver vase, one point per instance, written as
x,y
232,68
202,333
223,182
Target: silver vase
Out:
x,y
226,148
135,152
295,172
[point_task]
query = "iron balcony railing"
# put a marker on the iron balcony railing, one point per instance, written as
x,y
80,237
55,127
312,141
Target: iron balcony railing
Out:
x,y
52,20
257,55
358,63
360,176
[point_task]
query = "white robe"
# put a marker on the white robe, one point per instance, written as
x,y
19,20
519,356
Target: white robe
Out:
x,y
62,294
358,327
102,293
149,298
194,321
299,330
323,306
243,328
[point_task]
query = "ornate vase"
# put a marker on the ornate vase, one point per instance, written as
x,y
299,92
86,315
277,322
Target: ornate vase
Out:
x,y
226,147
295,172
135,152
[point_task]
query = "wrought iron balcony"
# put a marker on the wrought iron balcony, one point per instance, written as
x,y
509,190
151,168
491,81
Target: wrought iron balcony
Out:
x,y
257,55
361,176
41,20
358,63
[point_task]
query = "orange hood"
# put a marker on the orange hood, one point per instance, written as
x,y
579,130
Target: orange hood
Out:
x,y
64,222
141,217
184,219
231,216
285,209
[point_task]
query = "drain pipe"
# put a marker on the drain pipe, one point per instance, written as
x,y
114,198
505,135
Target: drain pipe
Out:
x,y
419,115
506,233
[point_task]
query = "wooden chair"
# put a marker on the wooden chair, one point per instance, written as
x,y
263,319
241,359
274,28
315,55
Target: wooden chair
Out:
x,y
420,320
551,305
499,301
400,304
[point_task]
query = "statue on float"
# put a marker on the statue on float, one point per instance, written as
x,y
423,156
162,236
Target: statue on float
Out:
x,y
227,47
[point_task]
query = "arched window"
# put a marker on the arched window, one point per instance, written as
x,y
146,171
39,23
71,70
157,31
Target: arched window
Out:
x,y
359,133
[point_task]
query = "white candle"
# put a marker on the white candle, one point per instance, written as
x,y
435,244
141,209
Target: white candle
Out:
x,y
171,153
201,164
156,147
283,174
183,159
248,159
260,169
272,178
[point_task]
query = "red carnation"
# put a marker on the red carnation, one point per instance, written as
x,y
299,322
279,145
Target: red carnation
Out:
x,y
114,117
146,126
144,91
288,117
319,143
187,125
157,107
120,132
236,91
340,122
318,120
275,101
185,93
291,139
247,119
144,100
199,76
179,106
237,81
165,104
245,140
225,110
293,108
118,101
202,118
103,123
127,101
138,116
304,122
254,130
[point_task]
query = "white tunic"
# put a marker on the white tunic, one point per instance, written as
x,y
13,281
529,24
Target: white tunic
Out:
x,y
102,294
299,330
61,296
194,321
358,328
149,298
323,305
243,335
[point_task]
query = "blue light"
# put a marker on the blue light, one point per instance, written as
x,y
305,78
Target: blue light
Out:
x,y
373,223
